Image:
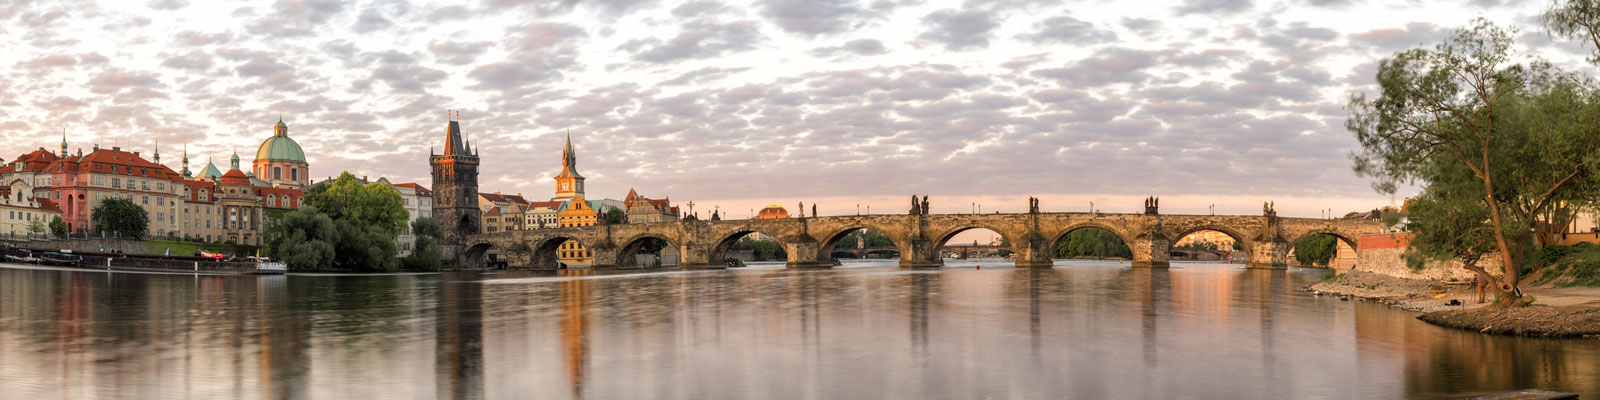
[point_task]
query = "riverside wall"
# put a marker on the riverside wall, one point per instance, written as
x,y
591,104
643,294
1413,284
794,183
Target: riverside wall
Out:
x,y
1384,254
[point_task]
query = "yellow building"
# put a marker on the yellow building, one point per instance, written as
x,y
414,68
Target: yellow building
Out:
x,y
773,211
576,212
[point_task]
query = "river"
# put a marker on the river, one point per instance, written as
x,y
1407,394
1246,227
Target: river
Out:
x,y
1085,329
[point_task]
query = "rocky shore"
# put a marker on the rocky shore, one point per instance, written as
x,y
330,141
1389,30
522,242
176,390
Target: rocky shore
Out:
x,y
1571,312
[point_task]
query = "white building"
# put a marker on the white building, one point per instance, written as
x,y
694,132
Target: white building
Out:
x,y
18,209
419,203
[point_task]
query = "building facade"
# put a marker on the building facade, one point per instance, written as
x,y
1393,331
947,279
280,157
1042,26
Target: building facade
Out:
x,y
19,211
280,162
455,187
577,212
419,204
642,210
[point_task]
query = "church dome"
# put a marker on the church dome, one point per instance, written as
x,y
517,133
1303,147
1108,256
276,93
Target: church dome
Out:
x,y
280,147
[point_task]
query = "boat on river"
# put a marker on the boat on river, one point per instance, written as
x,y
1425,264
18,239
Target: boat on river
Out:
x,y
61,259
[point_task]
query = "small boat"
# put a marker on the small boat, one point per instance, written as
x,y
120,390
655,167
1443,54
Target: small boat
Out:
x,y
22,259
734,263
68,260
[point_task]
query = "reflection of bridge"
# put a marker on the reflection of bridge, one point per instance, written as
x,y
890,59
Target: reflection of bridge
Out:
x,y
869,252
808,242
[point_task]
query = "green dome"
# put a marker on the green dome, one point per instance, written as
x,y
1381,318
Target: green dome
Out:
x,y
280,148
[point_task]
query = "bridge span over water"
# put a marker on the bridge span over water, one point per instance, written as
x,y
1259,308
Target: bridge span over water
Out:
x,y
808,242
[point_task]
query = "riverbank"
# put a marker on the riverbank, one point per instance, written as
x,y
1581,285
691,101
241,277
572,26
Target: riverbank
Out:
x,y
1557,311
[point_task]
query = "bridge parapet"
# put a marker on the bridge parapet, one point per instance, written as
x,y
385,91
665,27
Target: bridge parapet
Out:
x,y
808,241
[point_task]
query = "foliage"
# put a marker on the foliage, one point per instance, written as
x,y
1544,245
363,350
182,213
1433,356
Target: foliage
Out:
x,y
763,249
307,239
1092,242
871,238
36,226
1498,146
426,254
368,207
1316,249
57,226
121,216
615,216
1575,19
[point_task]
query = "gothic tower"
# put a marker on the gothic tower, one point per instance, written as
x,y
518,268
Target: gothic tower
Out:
x,y
569,184
455,188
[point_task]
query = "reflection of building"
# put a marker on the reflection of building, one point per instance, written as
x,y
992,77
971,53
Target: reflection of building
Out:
x,y
645,210
772,211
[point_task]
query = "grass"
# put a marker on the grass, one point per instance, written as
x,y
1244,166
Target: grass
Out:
x,y
1568,266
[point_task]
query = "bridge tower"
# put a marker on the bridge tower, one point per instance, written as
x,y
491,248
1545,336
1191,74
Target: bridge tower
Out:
x,y
455,190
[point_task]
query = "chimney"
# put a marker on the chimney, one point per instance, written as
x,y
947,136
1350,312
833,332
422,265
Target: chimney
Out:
x,y
116,148
135,154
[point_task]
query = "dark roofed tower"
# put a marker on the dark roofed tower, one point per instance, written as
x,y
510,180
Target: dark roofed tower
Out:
x,y
455,189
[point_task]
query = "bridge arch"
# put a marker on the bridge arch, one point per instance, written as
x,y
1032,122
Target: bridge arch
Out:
x,y
475,255
638,244
1341,237
726,241
1061,235
1245,242
546,250
825,248
943,238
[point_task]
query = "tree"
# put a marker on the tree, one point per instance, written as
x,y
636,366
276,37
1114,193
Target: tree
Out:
x,y
306,239
122,217
1092,242
615,216
36,226
426,255
1497,145
1316,249
369,207
58,227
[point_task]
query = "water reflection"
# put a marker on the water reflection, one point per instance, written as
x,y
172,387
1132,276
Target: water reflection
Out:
x,y
1086,330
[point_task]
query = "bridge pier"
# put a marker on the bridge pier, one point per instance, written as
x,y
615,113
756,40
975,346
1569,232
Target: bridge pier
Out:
x,y
803,254
1270,254
1032,251
923,253
1151,252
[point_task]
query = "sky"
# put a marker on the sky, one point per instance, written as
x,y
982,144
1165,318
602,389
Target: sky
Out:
x,y
850,105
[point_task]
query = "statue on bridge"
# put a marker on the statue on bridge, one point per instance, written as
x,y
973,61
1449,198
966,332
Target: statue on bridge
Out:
x,y
1152,205
716,216
924,204
802,208
914,208
1269,209
813,210
1033,205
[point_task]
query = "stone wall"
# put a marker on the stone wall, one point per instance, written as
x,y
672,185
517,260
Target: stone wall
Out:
x,y
1384,254
84,245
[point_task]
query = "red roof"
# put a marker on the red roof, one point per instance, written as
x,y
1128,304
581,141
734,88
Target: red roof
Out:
x,y
194,190
421,191
112,161
46,204
547,204
36,160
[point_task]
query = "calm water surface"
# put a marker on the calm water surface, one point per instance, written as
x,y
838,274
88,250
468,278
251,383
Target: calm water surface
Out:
x,y
1082,330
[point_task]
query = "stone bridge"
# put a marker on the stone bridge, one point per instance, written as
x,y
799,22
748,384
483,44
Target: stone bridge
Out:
x,y
808,241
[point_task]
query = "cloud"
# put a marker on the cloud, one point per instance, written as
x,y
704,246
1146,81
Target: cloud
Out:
x,y
814,17
959,30
1114,65
1214,6
698,39
860,47
1068,30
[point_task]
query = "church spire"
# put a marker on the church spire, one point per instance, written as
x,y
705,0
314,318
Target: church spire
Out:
x,y
453,145
569,159
156,155
186,173
63,142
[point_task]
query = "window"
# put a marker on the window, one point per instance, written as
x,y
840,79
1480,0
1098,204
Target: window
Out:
x,y
99,181
161,186
144,199
277,173
294,174
116,182
144,185
161,201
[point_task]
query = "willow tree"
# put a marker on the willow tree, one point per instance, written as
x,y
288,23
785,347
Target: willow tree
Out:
x,y
1495,145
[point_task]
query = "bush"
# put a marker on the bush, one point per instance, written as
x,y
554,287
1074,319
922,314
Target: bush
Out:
x,y
1551,254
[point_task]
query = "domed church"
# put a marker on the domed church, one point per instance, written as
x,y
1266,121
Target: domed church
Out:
x,y
280,162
